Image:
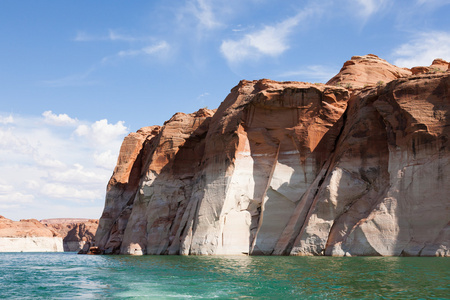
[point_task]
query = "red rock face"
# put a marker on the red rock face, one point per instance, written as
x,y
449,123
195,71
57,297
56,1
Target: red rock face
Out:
x,y
291,168
438,66
164,163
28,236
385,191
368,70
76,233
124,183
24,228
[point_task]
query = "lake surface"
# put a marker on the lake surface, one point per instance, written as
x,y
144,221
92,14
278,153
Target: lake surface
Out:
x,y
72,276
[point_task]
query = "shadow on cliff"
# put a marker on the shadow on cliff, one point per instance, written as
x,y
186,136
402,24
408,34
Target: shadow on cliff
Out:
x,y
114,218
168,210
266,144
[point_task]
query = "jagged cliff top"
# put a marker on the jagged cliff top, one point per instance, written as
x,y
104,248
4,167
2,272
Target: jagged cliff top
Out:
x,y
370,70
353,167
357,73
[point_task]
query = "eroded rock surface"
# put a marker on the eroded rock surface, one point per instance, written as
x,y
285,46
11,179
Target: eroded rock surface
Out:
x,y
77,234
28,236
367,70
292,168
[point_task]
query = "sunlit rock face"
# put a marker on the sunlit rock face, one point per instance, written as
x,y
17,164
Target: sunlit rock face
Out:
x,y
77,234
264,148
386,191
292,168
122,188
367,70
28,236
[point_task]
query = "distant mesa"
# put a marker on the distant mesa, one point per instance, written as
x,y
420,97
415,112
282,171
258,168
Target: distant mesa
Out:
x,y
52,235
78,234
28,236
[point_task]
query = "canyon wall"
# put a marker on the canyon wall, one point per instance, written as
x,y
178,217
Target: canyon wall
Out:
x,y
78,234
28,236
50,235
359,166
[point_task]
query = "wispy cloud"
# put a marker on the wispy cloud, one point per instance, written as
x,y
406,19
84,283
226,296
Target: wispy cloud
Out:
x,y
268,41
160,47
112,36
367,8
310,73
202,10
82,36
433,3
204,13
6,120
422,49
16,198
80,79
203,95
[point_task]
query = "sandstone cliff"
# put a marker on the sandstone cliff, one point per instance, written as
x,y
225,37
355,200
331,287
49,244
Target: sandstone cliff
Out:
x,y
77,234
28,236
359,166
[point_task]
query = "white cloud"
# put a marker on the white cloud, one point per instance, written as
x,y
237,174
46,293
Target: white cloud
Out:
x,y
77,175
32,184
9,207
102,132
58,120
105,159
42,165
68,191
10,142
16,198
5,189
48,162
268,41
423,49
6,120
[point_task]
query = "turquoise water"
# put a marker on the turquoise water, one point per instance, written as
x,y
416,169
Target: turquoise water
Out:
x,y
71,276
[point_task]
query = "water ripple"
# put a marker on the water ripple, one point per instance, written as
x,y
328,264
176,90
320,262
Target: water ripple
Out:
x,y
71,276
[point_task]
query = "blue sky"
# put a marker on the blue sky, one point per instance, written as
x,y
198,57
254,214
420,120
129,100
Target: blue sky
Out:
x,y
77,76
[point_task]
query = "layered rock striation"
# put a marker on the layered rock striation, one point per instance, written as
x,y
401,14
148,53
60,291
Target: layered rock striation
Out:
x,y
78,234
359,166
28,236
